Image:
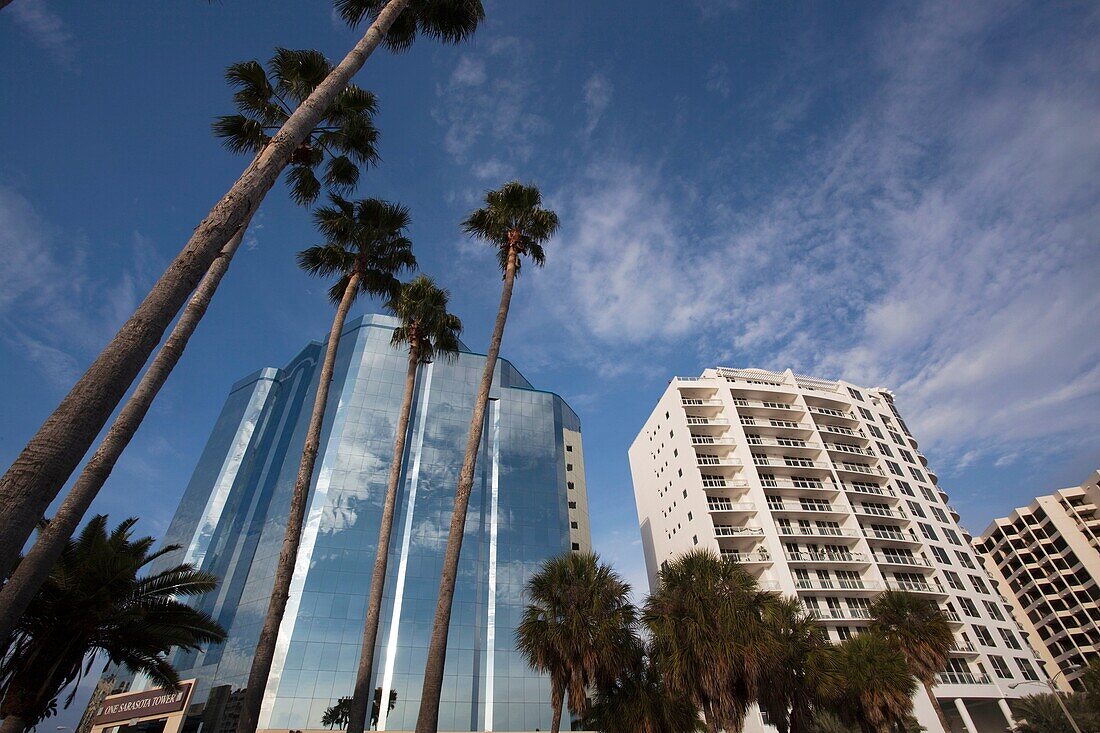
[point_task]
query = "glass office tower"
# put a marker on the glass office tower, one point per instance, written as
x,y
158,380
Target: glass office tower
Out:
x,y
528,504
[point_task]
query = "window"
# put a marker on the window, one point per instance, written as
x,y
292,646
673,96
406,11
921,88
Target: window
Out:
x,y
894,468
1010,639
1027,669
685,493
875,431
867,414
1000,667
994,610
568,466
916,509
938,514
572,505
952,537
680,472
695,539
929,495
569,484
843,632
907,455
940,555
884,449
965,559
953,580
689,516
979,584
576,546
983,636
968,607
675,452
905,488
573,525
568,449
917,474
927,531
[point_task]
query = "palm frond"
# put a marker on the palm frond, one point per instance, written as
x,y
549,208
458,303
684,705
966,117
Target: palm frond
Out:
x,y
240,134
304,186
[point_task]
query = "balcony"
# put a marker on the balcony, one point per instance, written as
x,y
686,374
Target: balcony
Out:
x,y
830,557
716,504
891,535
870,490
788,462
907,560
768,585
746,558
815,507
915,587
718,461
877,511
729,530
961,678
816,532
711,440
721,482
798,484
963,647
837,584
755,440
849,448
783,407
774,424
840,430
859,468
830,412
952,616
840,614
697,402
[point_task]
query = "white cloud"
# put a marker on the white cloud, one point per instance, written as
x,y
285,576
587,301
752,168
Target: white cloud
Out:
x,y
718,81
46,29
470,72
943,242
597,95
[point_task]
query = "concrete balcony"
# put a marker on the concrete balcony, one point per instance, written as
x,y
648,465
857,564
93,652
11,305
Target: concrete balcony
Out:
x,y
831,558
799,486
700,402
719,505
830,412
871,490
858,468
910,586
836,584
746,558
783,443
841,430
961,678
768,408
796,463
721,482
709,461
705,440
875,511
902,560
848,448
729,530
906,537
790,507
840,614
827,532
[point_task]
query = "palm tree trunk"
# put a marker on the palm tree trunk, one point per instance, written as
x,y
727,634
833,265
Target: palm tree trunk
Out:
x,y
47,461
936,706
13,724
557,702
428,719
32,570
358,716
284,571
709,718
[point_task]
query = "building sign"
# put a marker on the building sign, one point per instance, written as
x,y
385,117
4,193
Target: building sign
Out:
x,y
147,704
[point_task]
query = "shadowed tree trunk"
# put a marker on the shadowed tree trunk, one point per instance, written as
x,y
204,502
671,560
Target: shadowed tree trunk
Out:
x,y
269,634
428,718
936,706
557,703
33,569
358,717
49,458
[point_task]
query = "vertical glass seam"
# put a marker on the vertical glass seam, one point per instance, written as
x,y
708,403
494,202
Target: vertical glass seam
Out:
x,y
491,616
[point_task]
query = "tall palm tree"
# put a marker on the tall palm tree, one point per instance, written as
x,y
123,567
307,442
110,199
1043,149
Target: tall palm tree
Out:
x,y
877,686
366,247
347,128
95,602
920,629
429,331
49,458
639,701
515,224
707,624
796,674
578,627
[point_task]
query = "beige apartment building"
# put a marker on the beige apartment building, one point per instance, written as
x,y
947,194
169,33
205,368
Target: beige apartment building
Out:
x,y
819,489
1045,558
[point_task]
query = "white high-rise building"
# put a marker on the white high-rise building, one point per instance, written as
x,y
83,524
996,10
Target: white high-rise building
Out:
x,y
1045,558
820,491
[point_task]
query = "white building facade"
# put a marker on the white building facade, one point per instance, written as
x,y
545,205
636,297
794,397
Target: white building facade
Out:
x,y
1045,558
819,490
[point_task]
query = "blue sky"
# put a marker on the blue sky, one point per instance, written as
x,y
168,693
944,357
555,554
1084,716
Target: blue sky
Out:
x,y
905,196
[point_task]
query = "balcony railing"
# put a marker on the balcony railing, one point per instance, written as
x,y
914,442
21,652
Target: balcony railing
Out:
x,y
731,506
867,489
839,430
914,587
860,468
881,534
877,511
728,530
746,557
901,560
784,506
742,402
830,412
952,616
716,461
693,420
761,422
817,532
696,402
782,442
837,584
840,614
826,557
708,440
963,647
786,462
961,678
846,448
785,483
711,482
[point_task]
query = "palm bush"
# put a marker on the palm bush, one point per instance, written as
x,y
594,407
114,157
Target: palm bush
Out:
x,y
578,627
798,675
876,686
98,603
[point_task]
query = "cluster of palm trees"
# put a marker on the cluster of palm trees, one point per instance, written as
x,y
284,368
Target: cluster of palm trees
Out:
x,y
709,643
300,114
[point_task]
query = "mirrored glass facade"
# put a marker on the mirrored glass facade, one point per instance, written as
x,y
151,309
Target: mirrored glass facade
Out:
x,y
528,504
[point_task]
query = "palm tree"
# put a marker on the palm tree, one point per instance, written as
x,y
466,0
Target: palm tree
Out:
x,y
365,248
514,222
639,701
796,675
920,629
97,602
707,624
49,458
348,128
429,331
877,686
1043,714
578,627
336,715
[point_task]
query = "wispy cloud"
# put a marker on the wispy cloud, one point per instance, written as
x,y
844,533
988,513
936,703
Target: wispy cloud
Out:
x,y
47,30
943,242
597,95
